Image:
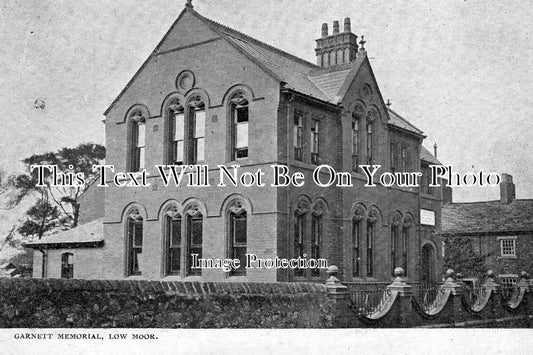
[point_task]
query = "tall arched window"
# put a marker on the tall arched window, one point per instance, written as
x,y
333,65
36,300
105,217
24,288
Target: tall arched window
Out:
x,y
238,235
300,213
196,130
370,230
404,242
316,234
369,144
194,232
395,242
134,242
137,141
239,108
173,242
67,266
357,227
176,133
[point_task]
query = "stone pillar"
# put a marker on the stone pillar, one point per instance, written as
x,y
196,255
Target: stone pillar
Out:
x,y
456,292
403,300
495,296
524,283
340,296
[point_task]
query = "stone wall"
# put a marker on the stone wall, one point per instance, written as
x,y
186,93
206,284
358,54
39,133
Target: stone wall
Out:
x,y
58,303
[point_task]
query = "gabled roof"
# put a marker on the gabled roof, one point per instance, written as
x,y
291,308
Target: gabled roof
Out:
x,y
85,235
489,217
328,85
427,156
400,122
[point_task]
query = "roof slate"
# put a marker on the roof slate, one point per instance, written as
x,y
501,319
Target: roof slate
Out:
x,y
86,233
487,217
427,156
399,121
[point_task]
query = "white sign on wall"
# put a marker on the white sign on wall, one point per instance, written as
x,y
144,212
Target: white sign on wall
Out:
x,y
427,217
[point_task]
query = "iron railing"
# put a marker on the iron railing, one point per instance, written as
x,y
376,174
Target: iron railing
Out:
x,y
426,293
367,297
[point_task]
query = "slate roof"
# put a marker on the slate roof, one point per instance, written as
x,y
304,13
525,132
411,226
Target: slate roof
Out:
x,y
487,217
89,234
399,121
427,156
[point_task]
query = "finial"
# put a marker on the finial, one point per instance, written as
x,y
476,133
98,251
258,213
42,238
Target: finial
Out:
x,y
362,43
435,149
189,4
388,103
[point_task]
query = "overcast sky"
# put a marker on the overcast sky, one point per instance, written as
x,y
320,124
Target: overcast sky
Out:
x,y
458,70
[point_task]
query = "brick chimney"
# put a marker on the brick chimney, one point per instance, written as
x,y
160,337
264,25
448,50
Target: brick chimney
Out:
x,y
507,189
337,48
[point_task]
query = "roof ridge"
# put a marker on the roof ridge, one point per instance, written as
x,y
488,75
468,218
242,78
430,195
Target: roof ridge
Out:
x,y
269,46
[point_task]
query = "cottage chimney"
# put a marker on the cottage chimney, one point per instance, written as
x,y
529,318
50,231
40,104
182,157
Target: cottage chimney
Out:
x,y
337,48
507,189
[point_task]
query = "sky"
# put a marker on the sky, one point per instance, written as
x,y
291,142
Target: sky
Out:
x,y
458,70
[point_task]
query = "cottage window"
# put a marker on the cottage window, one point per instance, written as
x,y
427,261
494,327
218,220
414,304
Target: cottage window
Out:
x,y
67,266
508,247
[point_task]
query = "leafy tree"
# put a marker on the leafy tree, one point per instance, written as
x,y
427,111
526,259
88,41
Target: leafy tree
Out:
x,y
42,217
68,160
461,257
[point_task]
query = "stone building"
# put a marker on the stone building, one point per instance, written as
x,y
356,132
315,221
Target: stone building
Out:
x,y
211,95
501,231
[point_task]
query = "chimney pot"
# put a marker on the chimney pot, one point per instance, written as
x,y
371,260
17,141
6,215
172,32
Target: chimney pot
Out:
x,y
335,27
347,25
324,30
507,189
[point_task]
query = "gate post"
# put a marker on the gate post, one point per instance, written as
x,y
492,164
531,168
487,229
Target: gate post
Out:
x,y
456,292
339,294
404,298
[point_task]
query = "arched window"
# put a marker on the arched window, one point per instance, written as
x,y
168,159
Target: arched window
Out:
x,y
315,141
357,227
194,232
369,143
302,208
316,234
395,242
134,243
173,242
238,235
176,133
239,108
196,130
370,230
298,135
406,227
67,266
137,141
